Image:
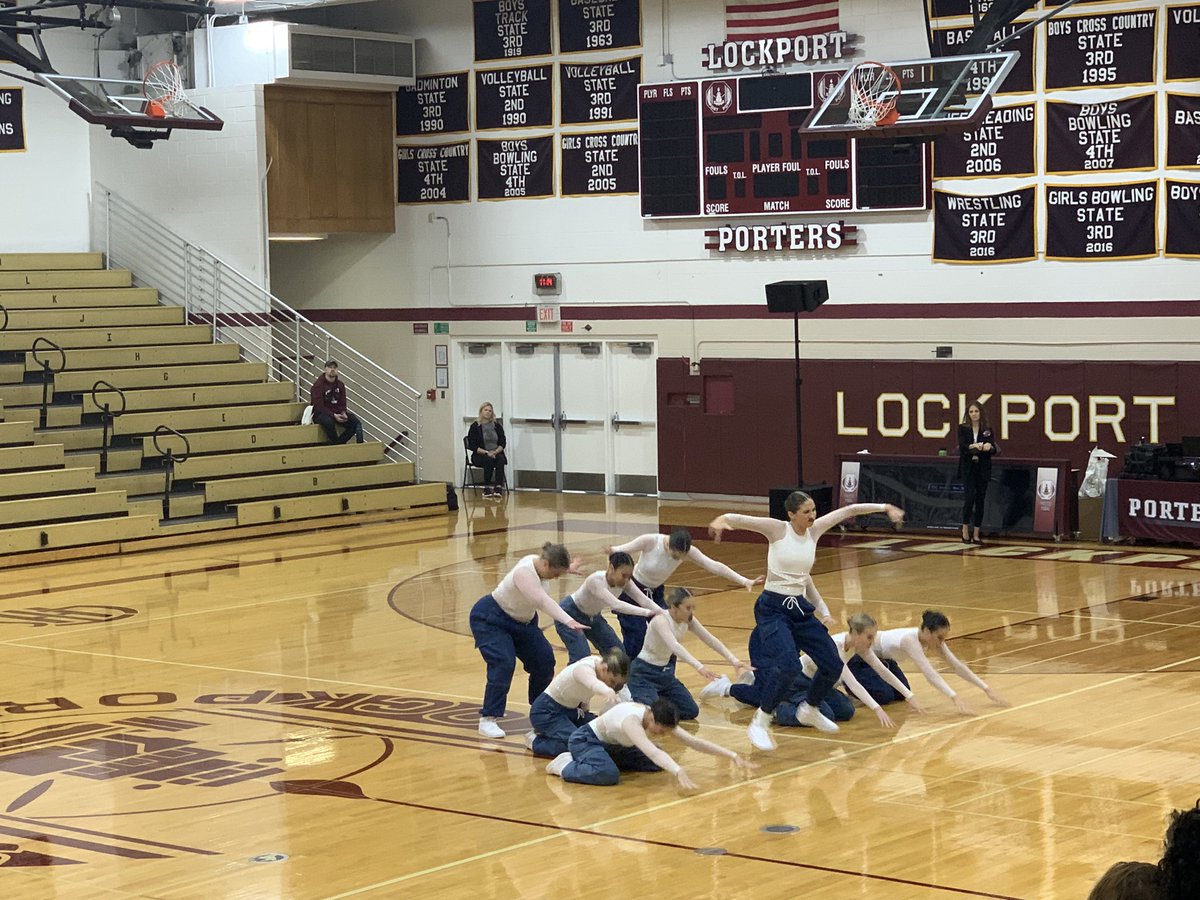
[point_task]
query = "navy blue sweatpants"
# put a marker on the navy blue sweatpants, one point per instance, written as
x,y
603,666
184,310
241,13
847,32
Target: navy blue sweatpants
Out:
x,y
554,724
595,762
882,692
836,706
648,682
502,640
633,628
784,626
599,633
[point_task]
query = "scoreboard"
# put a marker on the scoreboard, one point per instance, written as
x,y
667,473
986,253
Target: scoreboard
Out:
x,y
735,146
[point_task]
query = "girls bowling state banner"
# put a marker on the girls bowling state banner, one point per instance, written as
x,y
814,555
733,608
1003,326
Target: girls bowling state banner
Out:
x,y
1093,222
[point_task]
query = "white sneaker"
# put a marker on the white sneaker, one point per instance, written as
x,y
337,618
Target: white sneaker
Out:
x,y
808,715
760,735
746,677
556,765
718,688
489,729
530,736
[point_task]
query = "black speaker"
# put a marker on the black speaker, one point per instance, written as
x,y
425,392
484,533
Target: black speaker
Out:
x,y
796,296
822,495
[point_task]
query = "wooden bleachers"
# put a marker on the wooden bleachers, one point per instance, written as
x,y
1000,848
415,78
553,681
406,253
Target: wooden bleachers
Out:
x,y
250,465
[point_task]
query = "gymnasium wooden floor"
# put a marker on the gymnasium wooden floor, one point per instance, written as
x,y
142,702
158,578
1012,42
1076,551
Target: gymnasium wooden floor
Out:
x,y
295,717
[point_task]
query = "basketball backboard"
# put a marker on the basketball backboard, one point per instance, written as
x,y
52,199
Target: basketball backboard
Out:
x,y
949,93
124,109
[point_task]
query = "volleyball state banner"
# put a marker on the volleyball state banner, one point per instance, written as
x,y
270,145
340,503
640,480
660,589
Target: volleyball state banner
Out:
x,y
1183,218
598,25
12,120
433,173
1091,137
515,169
1001,146
1093,222
593,93
1183,41
511,29
514,98
436,104
1183,131
992,228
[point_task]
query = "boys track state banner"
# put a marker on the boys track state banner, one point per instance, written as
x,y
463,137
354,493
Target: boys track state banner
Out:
x,y
757,19
991,228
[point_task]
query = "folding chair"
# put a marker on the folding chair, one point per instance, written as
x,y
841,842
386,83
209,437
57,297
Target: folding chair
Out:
x,y
472,476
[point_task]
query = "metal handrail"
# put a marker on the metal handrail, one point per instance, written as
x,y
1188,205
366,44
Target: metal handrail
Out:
x,y
294,348
169,460
48,372
106,417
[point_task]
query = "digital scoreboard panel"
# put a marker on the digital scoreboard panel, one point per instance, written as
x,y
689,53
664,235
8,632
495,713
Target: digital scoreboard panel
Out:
x,y
735,146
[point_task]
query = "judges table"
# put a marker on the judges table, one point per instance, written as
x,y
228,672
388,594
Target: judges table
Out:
x,y
1163,511
1025,496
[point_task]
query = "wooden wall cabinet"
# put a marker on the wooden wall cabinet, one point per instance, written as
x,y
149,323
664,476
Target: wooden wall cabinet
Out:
x,y
331,156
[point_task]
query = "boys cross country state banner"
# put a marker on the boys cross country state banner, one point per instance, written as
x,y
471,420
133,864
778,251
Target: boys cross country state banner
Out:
x,y
748,20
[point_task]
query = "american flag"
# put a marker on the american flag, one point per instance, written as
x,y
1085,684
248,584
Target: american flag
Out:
x,y
754,19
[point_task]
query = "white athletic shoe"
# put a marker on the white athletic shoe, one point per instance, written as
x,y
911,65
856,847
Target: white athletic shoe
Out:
x,y
760,735
530,736
746,677
718,688
489,729
556,765
808,715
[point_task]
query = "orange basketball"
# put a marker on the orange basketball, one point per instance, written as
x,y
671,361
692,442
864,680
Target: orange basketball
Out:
x,y
155,110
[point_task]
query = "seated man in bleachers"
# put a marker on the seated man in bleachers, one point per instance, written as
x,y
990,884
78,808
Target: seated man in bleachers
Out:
x,y
329,407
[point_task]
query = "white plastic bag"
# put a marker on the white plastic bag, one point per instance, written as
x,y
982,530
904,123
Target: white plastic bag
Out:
x,y
1096,475
307,417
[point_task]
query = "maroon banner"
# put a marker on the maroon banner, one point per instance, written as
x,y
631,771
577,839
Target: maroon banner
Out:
x,y
1001,147
1183,131
1102,221
1115,135
1107,50
1183,37
1183,219
1159,510
992,228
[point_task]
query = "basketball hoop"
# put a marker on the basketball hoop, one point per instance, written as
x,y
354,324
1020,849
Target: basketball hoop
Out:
x,y
163,88
873,91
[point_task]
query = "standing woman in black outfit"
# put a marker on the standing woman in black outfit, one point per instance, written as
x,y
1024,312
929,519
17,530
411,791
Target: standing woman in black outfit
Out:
x,y
976,446
486,441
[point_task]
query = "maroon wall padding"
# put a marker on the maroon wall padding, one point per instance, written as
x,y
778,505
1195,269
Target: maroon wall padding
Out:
x,y
751,449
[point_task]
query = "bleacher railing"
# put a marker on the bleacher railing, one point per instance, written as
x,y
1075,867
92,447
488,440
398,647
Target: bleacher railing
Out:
x,y
268,330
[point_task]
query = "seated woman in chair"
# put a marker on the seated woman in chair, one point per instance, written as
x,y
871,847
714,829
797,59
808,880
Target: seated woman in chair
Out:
x,y
486,442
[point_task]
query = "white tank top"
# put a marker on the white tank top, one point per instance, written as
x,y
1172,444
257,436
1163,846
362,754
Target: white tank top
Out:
x,y
845,653
509,596
655,566
565,690
589,598
890,644
789,560
608,725
655,650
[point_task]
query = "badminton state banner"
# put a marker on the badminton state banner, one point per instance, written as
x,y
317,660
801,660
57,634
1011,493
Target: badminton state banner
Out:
x,y
1107,50
596,165
598,25
1001,146
599,92
1095,222
1183,131
949,41
511,29
517,169
514,98
1111,136
433,173
1183,218
1183,43
12,120
991,228
436,104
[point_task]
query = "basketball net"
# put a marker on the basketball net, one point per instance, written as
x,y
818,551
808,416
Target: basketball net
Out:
x,y
163,89
873,91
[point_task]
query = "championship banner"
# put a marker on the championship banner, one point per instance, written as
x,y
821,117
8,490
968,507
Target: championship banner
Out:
x,y
848,483
1044,499
1108,50
1001,146
598,25
12,120
1183,219
1111,136
434,173
511,29
517,169
973,9
1183,43
514,98
436,104
992,228
599,92
595,165
1183,131
1117,221
949,41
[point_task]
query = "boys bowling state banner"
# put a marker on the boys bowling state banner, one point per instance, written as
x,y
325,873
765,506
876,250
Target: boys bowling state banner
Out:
x,y
516,169
598,25
1112,136
984,229
1117,221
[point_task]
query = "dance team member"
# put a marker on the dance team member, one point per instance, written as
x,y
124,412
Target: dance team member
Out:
x,y
658,558
563,707
786,622
586,604
619,740
504,624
